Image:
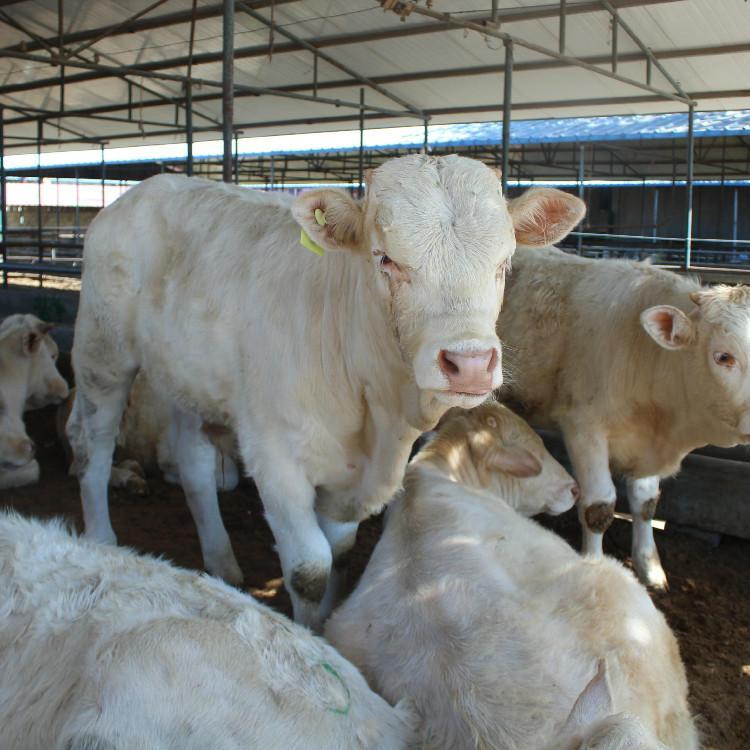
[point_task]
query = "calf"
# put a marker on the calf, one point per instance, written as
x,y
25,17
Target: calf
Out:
x,y
146,443
28,379
101,649
326,369
636,366
493,626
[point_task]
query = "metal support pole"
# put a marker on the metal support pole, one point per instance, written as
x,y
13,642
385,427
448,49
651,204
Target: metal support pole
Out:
x,y
494,11
189,127
39,215
735,213
227,79
581,155
689,188
3,201
561,35
507,104
615,24
361,142
236,158
61,46
104,172
655,214
426,139
272,174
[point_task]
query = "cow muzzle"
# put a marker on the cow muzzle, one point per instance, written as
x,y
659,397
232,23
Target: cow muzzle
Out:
x,y
460,374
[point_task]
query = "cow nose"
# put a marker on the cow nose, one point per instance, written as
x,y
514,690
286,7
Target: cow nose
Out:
x,y
468,372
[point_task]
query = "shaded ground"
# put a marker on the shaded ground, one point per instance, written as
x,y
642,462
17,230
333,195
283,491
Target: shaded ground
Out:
x,y
708,604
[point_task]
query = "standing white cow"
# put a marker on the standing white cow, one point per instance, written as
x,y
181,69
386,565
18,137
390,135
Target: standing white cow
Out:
x,y
501,635
325,369
101,649
636,366
28,379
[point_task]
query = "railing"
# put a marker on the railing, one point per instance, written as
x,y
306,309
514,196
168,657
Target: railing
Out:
x,y
60,251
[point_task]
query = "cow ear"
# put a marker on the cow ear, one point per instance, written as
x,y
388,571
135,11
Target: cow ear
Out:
x,y
31,341
544,216
593,704
331,218
512,460
668,326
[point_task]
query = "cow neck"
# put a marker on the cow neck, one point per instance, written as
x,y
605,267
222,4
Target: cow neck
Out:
x,y
365,338
14,377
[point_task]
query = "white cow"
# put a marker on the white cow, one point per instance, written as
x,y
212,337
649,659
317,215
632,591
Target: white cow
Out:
x,y
636,366
326,369
28,379
101,649
500,634
146,443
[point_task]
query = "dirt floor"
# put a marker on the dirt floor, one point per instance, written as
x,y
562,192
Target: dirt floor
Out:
x,y
708,604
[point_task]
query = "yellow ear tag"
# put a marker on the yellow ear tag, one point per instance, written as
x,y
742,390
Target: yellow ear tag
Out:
x,y
307,241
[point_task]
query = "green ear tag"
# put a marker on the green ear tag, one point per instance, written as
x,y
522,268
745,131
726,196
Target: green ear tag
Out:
x,y
306,241
320,217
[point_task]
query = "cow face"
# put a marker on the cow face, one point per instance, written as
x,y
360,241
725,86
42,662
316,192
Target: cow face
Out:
x,y
46,385
438,236
512,460
718,332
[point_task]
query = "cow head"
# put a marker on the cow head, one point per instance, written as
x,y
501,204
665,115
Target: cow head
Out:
x,y
16,448
46,385
717,332
492,448
438,235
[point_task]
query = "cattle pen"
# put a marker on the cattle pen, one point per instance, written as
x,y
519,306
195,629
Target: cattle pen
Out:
x,y
639,108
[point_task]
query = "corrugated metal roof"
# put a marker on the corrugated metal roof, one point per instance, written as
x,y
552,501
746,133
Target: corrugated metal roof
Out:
x,y
670,27
524,132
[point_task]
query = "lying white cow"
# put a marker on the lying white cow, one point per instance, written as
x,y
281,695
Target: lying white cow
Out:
x,y
636,366
28,379
500,634
101,649
326,369
146,443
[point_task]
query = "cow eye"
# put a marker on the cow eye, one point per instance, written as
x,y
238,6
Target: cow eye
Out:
x,y
385,260
725,359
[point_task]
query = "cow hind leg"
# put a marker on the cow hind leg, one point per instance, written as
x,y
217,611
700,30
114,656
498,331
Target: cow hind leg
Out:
x,y
643,495
92,431
195,459
342,537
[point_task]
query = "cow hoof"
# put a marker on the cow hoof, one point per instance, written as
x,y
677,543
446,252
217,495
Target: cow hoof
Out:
x,y
651,574
226,568
137,486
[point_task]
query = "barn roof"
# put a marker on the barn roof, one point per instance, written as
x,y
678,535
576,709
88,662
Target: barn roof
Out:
x,y
126,64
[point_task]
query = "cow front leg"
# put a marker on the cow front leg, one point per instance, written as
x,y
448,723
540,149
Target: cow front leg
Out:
x,y
341,536
196,462
643,495
589,457
305,554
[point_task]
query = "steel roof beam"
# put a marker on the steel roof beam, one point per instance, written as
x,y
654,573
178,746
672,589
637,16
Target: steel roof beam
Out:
x,y
333,40
477,109
429,75
331,60
110,71
462,23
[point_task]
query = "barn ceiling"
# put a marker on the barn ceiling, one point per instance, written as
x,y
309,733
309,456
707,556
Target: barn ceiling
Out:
x,y
127,63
